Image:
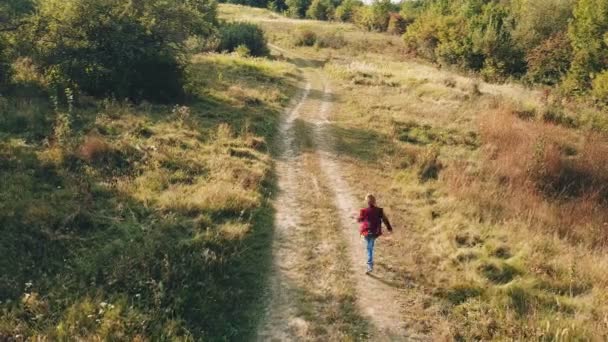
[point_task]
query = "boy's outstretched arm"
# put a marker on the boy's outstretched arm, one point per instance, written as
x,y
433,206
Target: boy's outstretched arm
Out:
x,y
386,222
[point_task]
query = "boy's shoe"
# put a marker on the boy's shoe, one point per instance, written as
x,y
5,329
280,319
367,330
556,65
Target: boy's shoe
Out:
x,y
369,270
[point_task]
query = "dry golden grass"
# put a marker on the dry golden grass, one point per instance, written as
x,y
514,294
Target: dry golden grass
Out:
x,y
488,251
549,176
494,249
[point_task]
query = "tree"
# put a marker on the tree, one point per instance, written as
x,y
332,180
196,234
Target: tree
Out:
x,y
491,37
320,10
233,35
375,17
538,20
297,8
587,32
125,49
550,61
396,24
346,10
277,6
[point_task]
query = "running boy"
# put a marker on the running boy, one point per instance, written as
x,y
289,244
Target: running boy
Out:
x,y
371,219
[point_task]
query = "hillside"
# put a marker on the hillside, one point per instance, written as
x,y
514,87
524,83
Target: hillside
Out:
x,y
496,238
223,208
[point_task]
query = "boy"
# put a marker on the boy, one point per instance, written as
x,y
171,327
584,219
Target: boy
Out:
x,y
371,219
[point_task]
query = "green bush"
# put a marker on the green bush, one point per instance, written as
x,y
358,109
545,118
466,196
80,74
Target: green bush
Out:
x,y
346,10
411,10
297,8
113,48
4,69
600,87
277,6
12,17
587,32
422,37
332,40
305,37
539,20
396,24
549,62
233,35
320,10
374,17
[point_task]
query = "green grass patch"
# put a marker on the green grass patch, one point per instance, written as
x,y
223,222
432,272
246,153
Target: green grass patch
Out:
x,y
143,221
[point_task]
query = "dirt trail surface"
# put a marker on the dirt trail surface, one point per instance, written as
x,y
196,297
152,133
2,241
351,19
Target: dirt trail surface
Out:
x,y
378,302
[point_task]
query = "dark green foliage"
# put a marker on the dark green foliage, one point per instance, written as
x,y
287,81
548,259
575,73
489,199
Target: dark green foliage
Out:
x,y
411,10
12,17
375,17
430,165
502,39
588,32
491,37
252,3
277,6
297,8
600,88
119,49
396,24
233,35
320,10
346,10
305,37
4,68
549,62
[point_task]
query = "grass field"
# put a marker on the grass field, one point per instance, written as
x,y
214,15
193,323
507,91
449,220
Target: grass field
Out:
x,y
141,222
497,191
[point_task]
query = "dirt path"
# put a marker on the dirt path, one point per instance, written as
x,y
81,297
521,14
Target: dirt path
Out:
x,y
377,301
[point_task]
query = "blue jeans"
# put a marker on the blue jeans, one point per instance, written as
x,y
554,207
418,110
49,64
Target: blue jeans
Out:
x,y
370,241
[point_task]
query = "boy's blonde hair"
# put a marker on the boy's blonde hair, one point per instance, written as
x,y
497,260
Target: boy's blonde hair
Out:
x,y
370,199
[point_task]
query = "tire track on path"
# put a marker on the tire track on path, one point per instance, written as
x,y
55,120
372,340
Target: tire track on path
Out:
x,y
378,302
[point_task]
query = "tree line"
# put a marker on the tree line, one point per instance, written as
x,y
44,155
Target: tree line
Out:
x,y
560,43
552,42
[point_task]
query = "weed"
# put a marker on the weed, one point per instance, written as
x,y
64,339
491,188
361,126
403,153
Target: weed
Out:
x,y
429,165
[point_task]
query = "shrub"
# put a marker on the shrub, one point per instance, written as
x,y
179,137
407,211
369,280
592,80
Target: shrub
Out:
x,y
4,69
305,37
587,32
539,20
422,37
490,33
297,8
430,166
277,6
396,24
95,149
411,10
320,10
78,44
549,62
242,51
374,17
249,35
332,40
12,15
346,11
600,87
